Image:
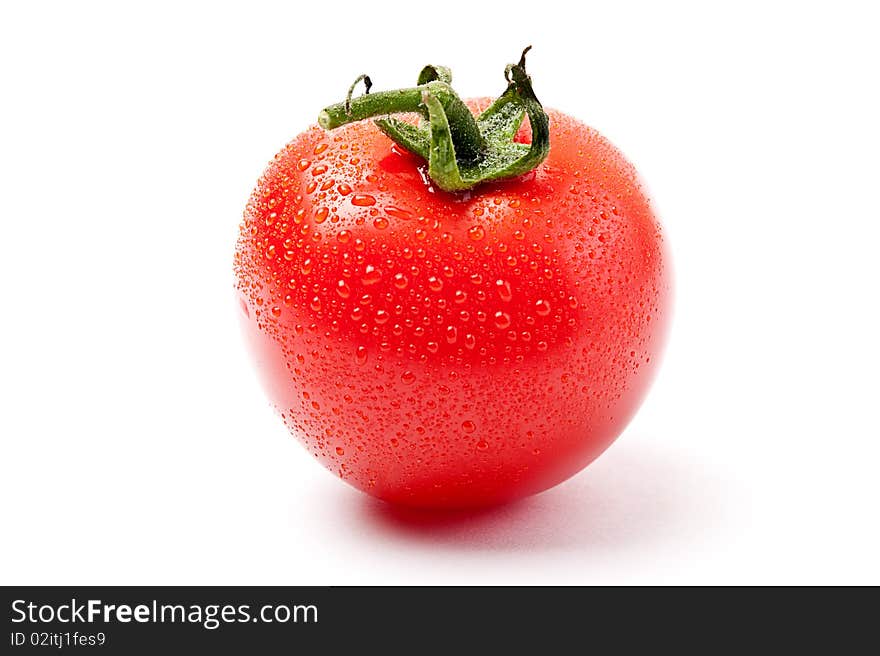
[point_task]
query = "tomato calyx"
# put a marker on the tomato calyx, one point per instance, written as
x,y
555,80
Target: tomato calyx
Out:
x,y
462,150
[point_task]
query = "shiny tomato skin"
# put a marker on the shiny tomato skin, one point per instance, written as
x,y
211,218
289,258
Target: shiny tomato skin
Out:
x,y
450,351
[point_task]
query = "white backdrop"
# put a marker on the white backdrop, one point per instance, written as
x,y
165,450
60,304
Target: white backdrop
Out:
x,y
137,445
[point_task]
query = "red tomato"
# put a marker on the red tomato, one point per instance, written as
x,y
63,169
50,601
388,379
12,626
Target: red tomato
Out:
x,y
452,350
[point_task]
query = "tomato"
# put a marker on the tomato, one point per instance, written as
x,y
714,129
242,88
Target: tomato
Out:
x,y
457,349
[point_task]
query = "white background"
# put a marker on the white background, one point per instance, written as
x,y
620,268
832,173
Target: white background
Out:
x,y
137,445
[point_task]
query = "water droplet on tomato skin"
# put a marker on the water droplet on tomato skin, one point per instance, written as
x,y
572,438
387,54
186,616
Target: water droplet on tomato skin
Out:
x,y
400,281
371,276
398,213
468,426
476,233
435,284
408,377
343,289
542,308
340,451
363,200
360,355
503,288
482,445
380,222
502,320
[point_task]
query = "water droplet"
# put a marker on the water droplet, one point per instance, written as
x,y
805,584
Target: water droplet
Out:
x,y
482,445
432,347
503,288
460,296
371,276
398,213
435,284
470,341
400,281
408,377
344,189
276,311
343,289
363,200
476,233
343,236
306,266
381,317
542,307
451,334
468,426
360,355
502,320
315,304
340,451
380,222
321,215
319,169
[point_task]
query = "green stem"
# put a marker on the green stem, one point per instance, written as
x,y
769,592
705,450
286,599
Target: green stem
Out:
x,y
462,150
469,143
369,105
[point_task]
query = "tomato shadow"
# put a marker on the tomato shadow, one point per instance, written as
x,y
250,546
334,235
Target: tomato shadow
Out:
x,y
629,497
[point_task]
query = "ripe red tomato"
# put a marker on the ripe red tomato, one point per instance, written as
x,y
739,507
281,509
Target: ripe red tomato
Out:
x,y
450,350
